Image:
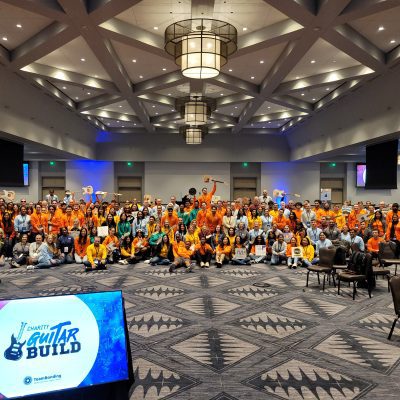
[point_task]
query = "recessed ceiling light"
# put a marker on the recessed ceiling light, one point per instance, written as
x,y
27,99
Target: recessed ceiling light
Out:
x,y
261,61
5,38
252,77
221,94
83,59
297,77
302,94
164,69
327,89
269,107
88,93
77,98
134,60
154,106
231,113
312,61
120,106
216,110
172,110
156,113
141,76
19,26
134,124
381,28
64,87
230,70
122,126
235,106
155,28
392,41
169,94
314,99
245,29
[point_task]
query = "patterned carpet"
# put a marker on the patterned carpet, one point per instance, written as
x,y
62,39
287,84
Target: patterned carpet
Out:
x,y
211,334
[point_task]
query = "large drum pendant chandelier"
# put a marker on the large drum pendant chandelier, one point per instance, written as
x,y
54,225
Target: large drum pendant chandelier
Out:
x,y
194,109
200,46
194,134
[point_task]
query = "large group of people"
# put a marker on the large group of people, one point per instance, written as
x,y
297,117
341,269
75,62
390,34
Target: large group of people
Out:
x,y
196,230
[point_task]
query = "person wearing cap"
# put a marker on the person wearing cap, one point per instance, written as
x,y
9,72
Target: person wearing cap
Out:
x,y
69,197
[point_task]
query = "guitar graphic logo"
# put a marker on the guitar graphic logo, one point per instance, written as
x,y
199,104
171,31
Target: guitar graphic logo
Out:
x,y
14,352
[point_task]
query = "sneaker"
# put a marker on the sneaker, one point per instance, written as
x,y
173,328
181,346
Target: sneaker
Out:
x,y
171,269
294,266
146,261
202,265
207,264
189,269
219,265
121,262
29,267
14,264
289,266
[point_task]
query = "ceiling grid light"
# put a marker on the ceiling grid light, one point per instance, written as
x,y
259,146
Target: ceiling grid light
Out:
x,y
200,46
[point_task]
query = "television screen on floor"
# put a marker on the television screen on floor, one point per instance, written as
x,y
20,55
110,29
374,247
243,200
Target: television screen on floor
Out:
x,y
55,343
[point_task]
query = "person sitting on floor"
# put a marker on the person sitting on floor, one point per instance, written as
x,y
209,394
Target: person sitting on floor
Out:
x,y
239,253
183,258
223,252
279,251
49,254
203,253
20,252
163,254
96,256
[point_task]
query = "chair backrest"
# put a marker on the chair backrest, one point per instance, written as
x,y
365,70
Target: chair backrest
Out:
x,y
356,262
387,250
327,256
395,289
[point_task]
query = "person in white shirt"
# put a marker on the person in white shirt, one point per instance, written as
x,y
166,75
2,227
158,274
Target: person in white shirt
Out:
x,y
34,250
174,205
264,198
51,196
313,232
322,243
279,251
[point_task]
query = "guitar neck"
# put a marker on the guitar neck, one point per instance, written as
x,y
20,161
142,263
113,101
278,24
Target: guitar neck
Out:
x,y
21,331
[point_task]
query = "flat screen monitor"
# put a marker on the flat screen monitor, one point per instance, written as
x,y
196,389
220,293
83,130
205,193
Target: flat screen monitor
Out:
x,y
25,167
11,169
55,343
381,160
361,175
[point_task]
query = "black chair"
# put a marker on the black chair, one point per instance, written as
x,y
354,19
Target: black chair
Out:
x,y
325,265
387,255
360,272
395,288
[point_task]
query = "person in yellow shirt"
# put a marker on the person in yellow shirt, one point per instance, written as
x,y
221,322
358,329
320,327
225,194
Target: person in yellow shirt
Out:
x,y
275,210
96,256
308,252
183,259
192,237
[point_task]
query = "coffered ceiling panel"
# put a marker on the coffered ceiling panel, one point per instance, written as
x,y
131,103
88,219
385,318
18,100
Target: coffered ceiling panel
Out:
x,y
322,57
75,56
381,29
17,26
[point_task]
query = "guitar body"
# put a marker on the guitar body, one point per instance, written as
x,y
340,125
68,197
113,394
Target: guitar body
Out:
x,y
14,352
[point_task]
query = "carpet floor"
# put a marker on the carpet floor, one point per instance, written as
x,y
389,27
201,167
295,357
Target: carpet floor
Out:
x,y
212,334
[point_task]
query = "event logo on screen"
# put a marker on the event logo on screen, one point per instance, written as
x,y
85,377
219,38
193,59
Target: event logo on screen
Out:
x,y
53,344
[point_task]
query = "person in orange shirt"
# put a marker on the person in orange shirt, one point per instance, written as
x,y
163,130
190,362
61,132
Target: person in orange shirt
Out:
x,y
112,245
212,219
373,243
327,212
353,220
183,259
203,253
223,252
280,220
378,223
80,246
90,218
140,246
298,210
68,219
171,217
393,229
78,214
38,222
207,197
394,210
318,210
201,217
55,221
221,208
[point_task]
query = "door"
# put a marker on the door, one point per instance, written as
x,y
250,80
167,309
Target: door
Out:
x,y
336,186
130,187
244,187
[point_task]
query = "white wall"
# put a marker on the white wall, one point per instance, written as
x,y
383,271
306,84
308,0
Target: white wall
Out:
x,y
31,192
99,174
301,178
176,178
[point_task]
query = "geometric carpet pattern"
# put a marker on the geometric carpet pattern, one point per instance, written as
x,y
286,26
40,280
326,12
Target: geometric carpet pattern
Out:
x,y
214,335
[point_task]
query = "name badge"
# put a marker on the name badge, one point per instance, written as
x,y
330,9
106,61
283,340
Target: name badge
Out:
x,y
65,249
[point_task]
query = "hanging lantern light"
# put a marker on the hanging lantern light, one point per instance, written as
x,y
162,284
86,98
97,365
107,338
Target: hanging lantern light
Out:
x,y
195,110
200,46
193,134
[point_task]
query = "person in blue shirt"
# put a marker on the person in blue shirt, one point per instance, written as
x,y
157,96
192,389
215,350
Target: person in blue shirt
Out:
x,y
66,247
